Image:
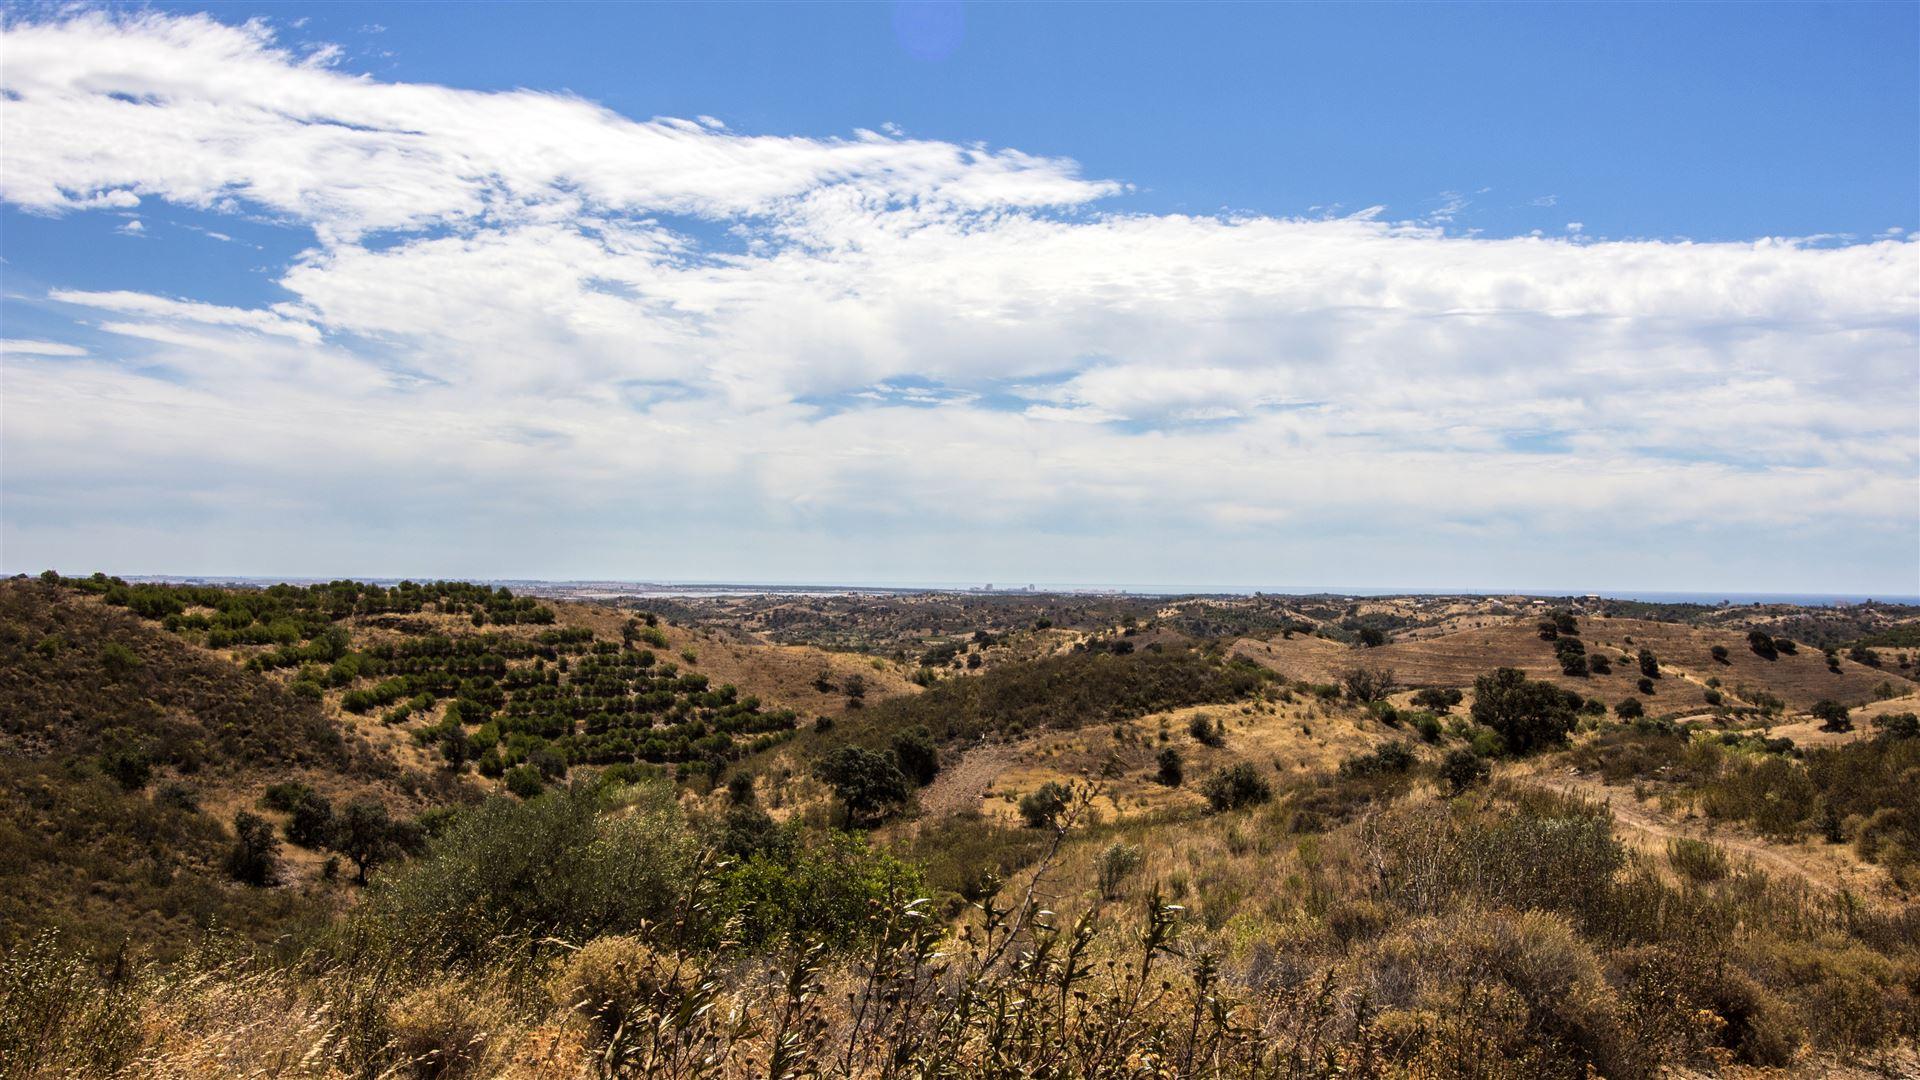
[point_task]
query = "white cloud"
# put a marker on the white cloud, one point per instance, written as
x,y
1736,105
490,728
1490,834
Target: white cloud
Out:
x,y
159,307
29,347
921,350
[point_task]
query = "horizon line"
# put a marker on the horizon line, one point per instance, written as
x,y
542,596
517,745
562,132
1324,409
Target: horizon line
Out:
x,y
980,587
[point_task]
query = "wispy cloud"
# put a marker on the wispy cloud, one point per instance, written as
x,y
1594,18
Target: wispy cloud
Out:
x,y
1015,354
29,347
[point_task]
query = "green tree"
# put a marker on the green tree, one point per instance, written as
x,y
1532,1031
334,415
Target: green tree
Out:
x,y
1527,713
1367,683
1898,726
919,758
254,858
869,785
1649,663
1173,767
367,834
740,789
310,818
455,747
1832,715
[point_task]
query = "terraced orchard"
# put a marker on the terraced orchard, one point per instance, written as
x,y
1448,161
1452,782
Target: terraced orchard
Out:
x,y
473,672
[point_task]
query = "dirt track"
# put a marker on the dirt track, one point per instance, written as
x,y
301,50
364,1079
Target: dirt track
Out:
x,y
1647,828
961,786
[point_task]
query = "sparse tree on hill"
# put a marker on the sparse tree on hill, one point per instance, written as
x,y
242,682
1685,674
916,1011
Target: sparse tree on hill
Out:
x,y
367,835
1897,726
1172,767
310,818
1528,714
1436,699
1367,683
919,758
1649,664
254,858
869,785
1832,716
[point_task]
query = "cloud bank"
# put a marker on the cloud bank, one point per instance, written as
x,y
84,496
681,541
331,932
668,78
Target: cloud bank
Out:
x,y
530,336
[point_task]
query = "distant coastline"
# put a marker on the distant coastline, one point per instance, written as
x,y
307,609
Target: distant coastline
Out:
x,y
613,588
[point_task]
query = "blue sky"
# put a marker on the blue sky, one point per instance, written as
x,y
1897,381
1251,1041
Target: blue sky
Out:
x,y
1549,296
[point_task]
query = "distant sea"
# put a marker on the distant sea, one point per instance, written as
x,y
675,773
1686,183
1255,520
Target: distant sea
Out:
x,y
611,587
1651,597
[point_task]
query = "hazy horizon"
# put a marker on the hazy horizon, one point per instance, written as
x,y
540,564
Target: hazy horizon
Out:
x,y
744,585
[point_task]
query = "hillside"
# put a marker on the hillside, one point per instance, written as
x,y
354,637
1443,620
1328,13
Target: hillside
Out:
x,y
123,753
616,844
1684,653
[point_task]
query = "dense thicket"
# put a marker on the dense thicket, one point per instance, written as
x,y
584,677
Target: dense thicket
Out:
x,y
1069,691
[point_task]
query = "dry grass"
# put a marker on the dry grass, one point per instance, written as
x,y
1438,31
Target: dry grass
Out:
x,y
1685,653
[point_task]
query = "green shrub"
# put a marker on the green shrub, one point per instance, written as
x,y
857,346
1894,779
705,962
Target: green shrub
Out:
x,y
825,891
1461,769
1696,860
553,866
310,820
1041,808
525,781
917,755
1388,757
1118,861
1428,726
1236,786
1207,730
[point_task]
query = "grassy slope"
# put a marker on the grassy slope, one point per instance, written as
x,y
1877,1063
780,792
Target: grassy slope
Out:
x,y
1455,659
81,853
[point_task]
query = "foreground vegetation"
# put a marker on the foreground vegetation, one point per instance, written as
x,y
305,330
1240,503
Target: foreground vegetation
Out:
x,y
599,930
